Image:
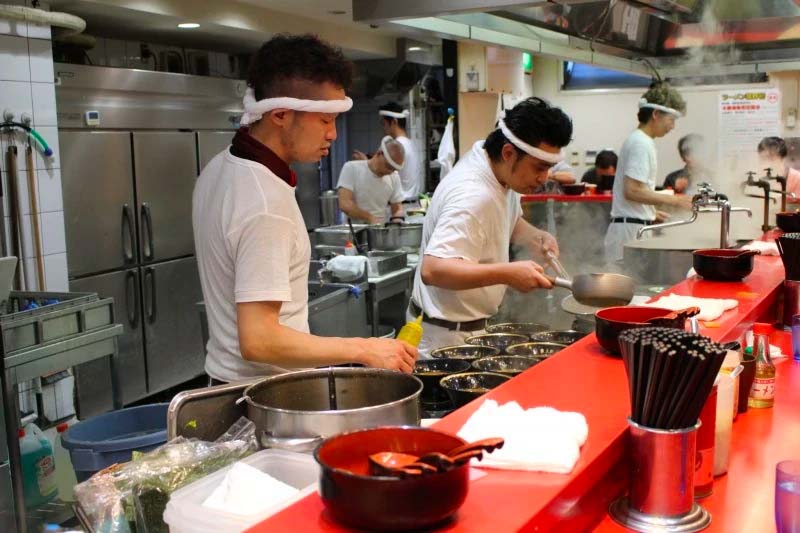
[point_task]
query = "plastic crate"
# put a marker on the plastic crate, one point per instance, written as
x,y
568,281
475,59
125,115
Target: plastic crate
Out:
x,y
74,314
185,512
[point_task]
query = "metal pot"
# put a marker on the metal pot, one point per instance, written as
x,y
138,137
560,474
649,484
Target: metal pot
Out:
x,y
297,410
339,235
406,237
329,208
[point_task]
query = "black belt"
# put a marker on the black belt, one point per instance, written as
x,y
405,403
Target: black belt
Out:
x,y
629,220
410,201
473,325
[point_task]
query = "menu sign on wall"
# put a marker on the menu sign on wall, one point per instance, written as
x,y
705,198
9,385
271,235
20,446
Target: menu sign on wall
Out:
x,y
745,117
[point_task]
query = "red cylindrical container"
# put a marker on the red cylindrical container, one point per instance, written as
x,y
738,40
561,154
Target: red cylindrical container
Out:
x,y
704,462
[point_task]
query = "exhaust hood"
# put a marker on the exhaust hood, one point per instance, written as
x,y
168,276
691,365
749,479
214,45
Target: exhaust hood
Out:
x,y
395,76
736,37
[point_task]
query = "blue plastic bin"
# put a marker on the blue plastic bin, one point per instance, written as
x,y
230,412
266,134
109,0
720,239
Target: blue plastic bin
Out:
x,y
110,438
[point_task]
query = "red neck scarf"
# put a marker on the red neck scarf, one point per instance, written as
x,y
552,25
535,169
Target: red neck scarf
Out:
x,y
248,147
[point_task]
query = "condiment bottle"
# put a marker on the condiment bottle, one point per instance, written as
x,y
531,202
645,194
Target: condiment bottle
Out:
x,y
762,393
411,332
350,249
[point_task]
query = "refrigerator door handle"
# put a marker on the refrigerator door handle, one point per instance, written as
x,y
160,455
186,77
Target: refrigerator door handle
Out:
x,y
131,299
147,229
127,233
150,296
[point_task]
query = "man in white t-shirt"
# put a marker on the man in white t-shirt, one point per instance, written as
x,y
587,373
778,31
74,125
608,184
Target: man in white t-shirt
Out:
x,y
367,187
475,215
252,246
634,199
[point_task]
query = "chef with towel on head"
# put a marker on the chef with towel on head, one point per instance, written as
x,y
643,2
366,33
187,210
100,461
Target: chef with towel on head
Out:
x,y
253,249
475,215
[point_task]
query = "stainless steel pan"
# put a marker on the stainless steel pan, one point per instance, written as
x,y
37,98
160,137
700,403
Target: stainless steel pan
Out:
x,y
599,290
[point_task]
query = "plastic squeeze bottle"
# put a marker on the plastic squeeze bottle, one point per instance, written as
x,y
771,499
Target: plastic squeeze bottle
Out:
x,y
411,332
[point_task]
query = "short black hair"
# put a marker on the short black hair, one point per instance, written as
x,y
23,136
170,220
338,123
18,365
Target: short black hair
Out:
x,y
605,159
645,114
774,145
688,144
288,58
394,107
534,121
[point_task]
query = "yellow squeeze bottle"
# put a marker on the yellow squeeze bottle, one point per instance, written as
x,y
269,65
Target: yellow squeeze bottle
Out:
x,y
411,332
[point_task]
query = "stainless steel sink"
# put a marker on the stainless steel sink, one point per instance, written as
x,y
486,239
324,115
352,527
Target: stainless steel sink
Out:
x,y
338,309
382,263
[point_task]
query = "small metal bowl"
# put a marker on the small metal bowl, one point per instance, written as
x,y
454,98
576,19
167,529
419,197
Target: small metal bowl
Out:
x,y
497,340
517,328
538,350
464,351
510,365
560,337
463,388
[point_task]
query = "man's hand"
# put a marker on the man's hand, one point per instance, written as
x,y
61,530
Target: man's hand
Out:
x,y
388,353
548,244
681,184
374,220
525,276
359,156
661,216
682,202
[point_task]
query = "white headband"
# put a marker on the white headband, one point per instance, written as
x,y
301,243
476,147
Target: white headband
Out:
x,y
665,109
538,153
385,149
394,114
254,110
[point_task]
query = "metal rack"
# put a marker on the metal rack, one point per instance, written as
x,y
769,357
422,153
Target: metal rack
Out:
x,y
79,328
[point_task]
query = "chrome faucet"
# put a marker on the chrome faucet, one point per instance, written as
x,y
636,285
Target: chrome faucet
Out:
x,y
764,184
705,198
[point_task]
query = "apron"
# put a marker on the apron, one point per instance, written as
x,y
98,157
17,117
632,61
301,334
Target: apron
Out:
x,y
434,337
617,235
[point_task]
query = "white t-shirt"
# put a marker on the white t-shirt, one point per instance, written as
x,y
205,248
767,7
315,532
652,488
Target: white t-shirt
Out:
x,y
252,246
637,160
371,192
410,176
471,217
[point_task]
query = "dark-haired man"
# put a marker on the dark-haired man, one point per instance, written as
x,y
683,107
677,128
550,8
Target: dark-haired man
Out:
x,y
605,167
252,246
634,199
689,148
365,188
475,214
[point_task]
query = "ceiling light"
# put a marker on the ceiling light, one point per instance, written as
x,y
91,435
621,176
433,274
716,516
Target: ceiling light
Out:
x,y
188,25
415,49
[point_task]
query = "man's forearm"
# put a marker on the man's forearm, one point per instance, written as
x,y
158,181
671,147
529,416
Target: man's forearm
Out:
x,y
526,234
353,211
458,274
285,347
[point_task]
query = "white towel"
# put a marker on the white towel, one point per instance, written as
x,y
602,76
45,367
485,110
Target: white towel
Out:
x,y
447,151
347,267
540,439
247,491
766,248
710,308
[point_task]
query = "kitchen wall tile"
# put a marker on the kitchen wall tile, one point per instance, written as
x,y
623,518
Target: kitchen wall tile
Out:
x,y
50,135
14,58
32,275
36,31
18,139
8,27
53,239
16,97
55,268
44,104
41,51
50,192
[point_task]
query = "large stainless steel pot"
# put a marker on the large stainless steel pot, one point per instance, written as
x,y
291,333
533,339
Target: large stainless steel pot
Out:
x,y
340,234
406,237
297,410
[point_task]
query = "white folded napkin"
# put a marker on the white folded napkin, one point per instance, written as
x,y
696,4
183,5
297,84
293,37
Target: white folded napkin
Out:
x,y
539,439
347,267
765,247
710,308
247,491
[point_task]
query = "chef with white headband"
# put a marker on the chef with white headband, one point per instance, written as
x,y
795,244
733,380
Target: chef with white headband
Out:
x,y
253,249
475,215
394,121
367,187
635,201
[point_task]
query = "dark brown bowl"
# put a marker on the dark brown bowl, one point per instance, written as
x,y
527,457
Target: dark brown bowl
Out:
x,y
788,221
463,388
720,264
430,371
612,321
517,328
559,337
464,351
539,350
573,189
508,365
363,501
497,340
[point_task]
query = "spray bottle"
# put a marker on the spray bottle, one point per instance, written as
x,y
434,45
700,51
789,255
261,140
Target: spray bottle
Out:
x,y
411,332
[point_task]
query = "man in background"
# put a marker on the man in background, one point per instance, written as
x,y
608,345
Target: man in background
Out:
x,y
772,152
605,166
367,187
689,148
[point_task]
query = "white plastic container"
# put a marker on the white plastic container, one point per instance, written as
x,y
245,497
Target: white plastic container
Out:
x,y
185,512
727,392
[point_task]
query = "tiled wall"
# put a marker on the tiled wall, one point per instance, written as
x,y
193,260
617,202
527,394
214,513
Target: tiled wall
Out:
x,y
27,87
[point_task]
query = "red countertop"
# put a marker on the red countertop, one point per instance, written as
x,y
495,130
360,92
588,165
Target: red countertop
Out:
x,y
567,197
583,378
